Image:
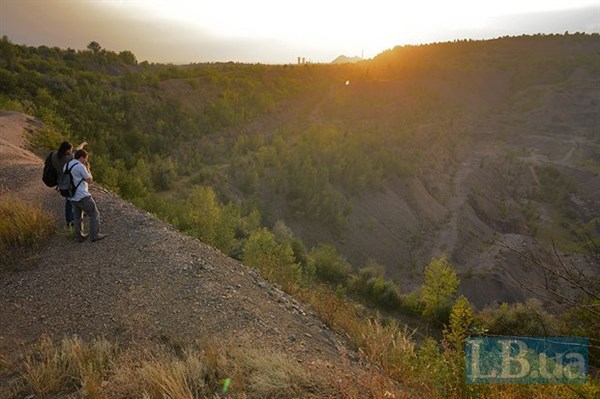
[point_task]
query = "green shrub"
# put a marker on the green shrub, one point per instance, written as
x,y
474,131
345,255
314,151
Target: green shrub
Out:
x,y
370,283
582,321
211,222
328,264
8,103
274,260
439,289
412,304
524,319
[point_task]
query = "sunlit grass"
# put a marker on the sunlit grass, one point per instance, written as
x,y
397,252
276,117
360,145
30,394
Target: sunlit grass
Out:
x,y
395,368
22,226
100,369
53,368
173,378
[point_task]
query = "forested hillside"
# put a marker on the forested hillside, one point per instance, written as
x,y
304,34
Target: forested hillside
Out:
x,y
467,149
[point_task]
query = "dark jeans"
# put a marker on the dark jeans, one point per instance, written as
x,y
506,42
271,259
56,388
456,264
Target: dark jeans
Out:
x,y
69,212
87,205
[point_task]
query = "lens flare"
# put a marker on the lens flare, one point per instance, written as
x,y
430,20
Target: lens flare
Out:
x,y
226,383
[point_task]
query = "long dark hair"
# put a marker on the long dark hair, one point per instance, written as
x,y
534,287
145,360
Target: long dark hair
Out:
x,y
63,148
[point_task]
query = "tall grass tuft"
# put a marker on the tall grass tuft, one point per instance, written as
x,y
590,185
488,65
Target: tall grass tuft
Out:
x,y
48,370
52,368
22,227
271,374
92,362
390,346
174,378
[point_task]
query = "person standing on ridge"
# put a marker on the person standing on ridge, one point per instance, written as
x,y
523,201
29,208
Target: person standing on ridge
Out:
x,y
59,158
82,199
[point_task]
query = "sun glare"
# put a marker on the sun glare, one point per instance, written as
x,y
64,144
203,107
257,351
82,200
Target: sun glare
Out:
x,y
371,27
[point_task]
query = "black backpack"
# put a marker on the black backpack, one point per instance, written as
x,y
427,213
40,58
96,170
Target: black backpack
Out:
x,y
50,177
66,187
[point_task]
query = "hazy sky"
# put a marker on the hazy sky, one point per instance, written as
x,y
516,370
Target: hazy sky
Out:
x,y
279,31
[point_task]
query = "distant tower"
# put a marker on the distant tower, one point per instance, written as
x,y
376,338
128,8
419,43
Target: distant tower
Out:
x,y
303,60
299,60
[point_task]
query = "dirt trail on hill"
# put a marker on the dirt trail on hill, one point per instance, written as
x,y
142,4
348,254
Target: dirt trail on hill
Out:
x,y
445,240
145,281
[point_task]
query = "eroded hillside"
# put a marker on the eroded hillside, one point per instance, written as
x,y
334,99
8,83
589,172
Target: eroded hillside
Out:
x,y
473,150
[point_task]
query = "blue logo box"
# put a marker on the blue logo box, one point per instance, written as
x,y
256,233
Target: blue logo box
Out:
x,y
520,360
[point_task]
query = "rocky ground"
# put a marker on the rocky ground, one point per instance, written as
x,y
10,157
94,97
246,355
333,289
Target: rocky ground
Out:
x,y
145,281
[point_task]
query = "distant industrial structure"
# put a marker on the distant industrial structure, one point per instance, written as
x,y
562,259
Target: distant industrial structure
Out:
x,y
301,60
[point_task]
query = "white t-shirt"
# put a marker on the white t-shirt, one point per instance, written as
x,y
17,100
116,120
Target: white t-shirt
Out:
x,y
80,174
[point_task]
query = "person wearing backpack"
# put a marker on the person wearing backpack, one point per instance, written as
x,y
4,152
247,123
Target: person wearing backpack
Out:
x,y
81,199
58,159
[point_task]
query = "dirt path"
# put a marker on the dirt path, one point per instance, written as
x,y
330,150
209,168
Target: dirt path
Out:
x,y
567,156
534,175
446,237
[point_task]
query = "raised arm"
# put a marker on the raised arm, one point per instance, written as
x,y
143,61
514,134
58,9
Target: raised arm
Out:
x,y
81,146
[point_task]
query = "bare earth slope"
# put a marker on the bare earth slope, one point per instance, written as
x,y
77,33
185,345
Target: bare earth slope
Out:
x,y
145,281
490,198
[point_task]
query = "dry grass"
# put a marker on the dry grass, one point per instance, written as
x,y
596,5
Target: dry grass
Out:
x,y
174,378
398,369
273,375
73,368
389,346
22,226
48,370
337,312
52,369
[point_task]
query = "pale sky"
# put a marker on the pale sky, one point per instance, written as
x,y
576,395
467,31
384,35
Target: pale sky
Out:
x,y
279,31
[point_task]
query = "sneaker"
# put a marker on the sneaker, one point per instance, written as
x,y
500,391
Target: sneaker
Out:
x,y
82,238
99,237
